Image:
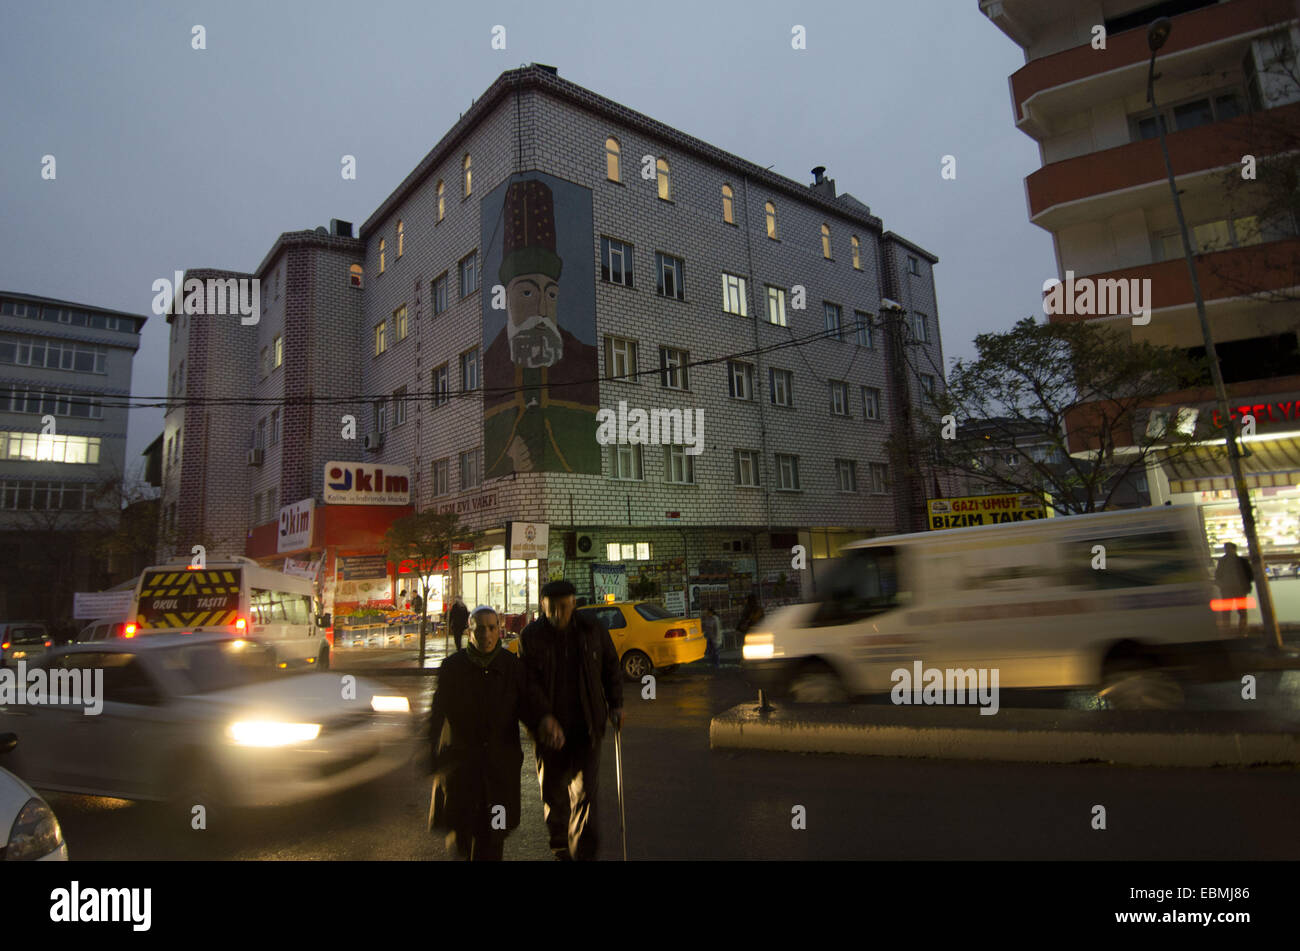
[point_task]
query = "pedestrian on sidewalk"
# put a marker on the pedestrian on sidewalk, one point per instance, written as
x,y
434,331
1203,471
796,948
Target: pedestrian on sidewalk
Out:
x,y
458,620
1234,578
713,636
750,615
482,694
571,659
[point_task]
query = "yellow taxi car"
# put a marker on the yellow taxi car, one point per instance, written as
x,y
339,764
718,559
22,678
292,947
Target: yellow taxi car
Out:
x,y
646,635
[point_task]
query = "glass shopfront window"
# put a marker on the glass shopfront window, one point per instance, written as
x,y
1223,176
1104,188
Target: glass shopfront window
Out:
x,y
508,584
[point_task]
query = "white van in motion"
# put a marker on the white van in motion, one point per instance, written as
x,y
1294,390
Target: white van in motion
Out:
x,y
1112,601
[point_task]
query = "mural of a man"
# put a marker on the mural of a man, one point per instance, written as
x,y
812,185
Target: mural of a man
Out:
x,y
541,393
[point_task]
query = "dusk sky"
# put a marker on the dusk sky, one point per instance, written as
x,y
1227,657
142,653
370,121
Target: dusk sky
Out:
x,y
171,158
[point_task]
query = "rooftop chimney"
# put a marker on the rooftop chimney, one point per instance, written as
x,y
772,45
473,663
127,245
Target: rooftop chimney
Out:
x,y
340,229
821,184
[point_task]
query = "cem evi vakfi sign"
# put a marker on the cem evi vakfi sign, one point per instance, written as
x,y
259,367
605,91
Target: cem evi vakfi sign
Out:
x,y
354,483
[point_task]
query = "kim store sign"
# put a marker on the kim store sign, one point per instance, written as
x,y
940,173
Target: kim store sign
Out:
x,y
354,483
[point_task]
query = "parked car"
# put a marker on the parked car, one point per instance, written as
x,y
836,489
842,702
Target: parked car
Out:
x,y
29,829
187,719
646,635
23,640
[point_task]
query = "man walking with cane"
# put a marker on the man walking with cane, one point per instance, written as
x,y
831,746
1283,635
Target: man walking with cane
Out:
x,y
571,660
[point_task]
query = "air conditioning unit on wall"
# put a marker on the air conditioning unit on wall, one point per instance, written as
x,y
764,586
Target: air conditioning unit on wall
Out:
x,y
584,546
374,441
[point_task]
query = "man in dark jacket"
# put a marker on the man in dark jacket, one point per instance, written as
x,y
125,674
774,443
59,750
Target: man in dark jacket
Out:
x,y
1234,578
572,661
482,694
458,620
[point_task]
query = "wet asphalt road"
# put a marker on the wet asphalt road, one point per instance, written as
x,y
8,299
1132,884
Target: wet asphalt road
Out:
x,y
685,801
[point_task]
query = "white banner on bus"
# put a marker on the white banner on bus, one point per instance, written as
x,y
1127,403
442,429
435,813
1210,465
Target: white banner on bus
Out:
x,y
93,605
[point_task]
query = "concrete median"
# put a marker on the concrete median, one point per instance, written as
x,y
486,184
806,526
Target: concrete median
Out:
x,y
1198,739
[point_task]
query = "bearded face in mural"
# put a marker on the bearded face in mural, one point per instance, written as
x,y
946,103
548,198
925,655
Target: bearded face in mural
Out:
x,y
531,305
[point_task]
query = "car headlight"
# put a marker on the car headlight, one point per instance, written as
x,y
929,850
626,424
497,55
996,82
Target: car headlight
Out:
x,y
35,832
390,705
272,733
757,647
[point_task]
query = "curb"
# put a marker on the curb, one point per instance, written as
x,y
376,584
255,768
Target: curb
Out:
x,y
743,727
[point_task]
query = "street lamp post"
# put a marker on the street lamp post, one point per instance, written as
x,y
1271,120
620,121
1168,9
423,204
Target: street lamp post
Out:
x,y
1157,34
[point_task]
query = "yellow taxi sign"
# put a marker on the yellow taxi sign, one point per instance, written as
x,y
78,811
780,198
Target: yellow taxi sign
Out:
x,y
609,597
972,510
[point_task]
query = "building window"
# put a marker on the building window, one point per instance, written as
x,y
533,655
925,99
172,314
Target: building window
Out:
x,y
870,402
857,253
278,346
746,468
839,398
259,437
661,168
465,166
382,244
728,205
787,472
381,416
48,447
927,387
355,273
401,238
441,473
832,315
440,390
469,274
826,241
740,380
769,211
616,262
669,271
782,385
672,368
399,406
439,294
846,474
403,325
620,359
879,478
611,160
733,295
776,305
680,466
381,337
469,370
442,200
275,427
862,322
264,361
52,354
913,265
920,329
627,463
19,399
470,473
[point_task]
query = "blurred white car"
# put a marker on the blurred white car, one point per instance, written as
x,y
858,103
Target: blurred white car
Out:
x,y
186,719
28,828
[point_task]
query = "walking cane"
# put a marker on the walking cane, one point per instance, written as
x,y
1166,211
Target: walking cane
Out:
x,y
618,770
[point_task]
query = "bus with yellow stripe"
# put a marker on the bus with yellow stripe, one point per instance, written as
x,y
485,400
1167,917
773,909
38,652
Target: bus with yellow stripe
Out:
x,y
240,598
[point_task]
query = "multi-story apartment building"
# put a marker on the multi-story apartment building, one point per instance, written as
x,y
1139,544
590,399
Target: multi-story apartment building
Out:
x,y
65,379
1227,89
557,264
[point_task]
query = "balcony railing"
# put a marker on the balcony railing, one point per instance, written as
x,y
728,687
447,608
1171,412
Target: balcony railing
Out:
x,y
1216,145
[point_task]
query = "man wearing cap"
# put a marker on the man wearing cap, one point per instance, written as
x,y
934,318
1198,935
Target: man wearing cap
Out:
x,y
571,660
483,692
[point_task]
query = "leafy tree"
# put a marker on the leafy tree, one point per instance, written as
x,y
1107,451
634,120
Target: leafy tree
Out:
x,y
425,538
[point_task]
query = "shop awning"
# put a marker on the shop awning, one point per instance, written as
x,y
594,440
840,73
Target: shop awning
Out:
x,y
1272,462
